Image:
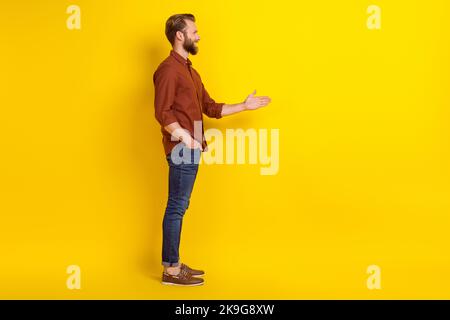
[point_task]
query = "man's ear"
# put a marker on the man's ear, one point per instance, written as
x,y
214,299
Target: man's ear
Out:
x,y
180,36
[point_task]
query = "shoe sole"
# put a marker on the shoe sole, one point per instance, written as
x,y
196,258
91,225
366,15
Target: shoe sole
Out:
x,y
182,285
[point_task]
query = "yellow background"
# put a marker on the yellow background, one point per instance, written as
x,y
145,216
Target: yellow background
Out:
x,y
364,150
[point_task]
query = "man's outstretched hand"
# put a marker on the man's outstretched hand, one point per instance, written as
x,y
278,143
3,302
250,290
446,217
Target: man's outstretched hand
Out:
x,y
250,103
253,103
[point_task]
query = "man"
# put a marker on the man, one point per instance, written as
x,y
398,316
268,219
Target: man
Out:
x,y
180,101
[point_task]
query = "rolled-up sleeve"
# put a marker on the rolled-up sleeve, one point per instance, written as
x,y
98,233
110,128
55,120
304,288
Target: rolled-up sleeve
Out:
x,y
164,80
210,107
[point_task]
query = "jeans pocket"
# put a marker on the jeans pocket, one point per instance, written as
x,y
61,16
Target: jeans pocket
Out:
x,y
181,154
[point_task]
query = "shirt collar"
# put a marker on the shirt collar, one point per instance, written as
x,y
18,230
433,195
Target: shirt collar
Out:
x,y
180,58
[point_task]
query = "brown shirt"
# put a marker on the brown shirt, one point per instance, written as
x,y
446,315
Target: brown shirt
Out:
x,y
181,96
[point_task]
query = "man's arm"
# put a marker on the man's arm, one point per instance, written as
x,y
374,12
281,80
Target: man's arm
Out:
x,y
218,110
250,103
165,87
182,135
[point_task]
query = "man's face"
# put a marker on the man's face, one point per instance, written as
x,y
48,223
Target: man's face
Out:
x,y
191,38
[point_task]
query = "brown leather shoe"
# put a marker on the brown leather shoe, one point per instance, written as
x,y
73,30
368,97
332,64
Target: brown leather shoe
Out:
x,y
183,278
193,272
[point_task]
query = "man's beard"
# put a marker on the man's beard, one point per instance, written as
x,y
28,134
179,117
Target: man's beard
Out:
x,y
190,46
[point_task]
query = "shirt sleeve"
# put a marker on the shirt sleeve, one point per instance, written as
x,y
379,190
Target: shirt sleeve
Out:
x,y
164,80
211,108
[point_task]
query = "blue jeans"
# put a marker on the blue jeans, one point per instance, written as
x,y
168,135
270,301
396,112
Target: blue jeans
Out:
x,y
182,176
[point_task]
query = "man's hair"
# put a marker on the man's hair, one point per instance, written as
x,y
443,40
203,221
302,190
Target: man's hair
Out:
x,y
176,23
